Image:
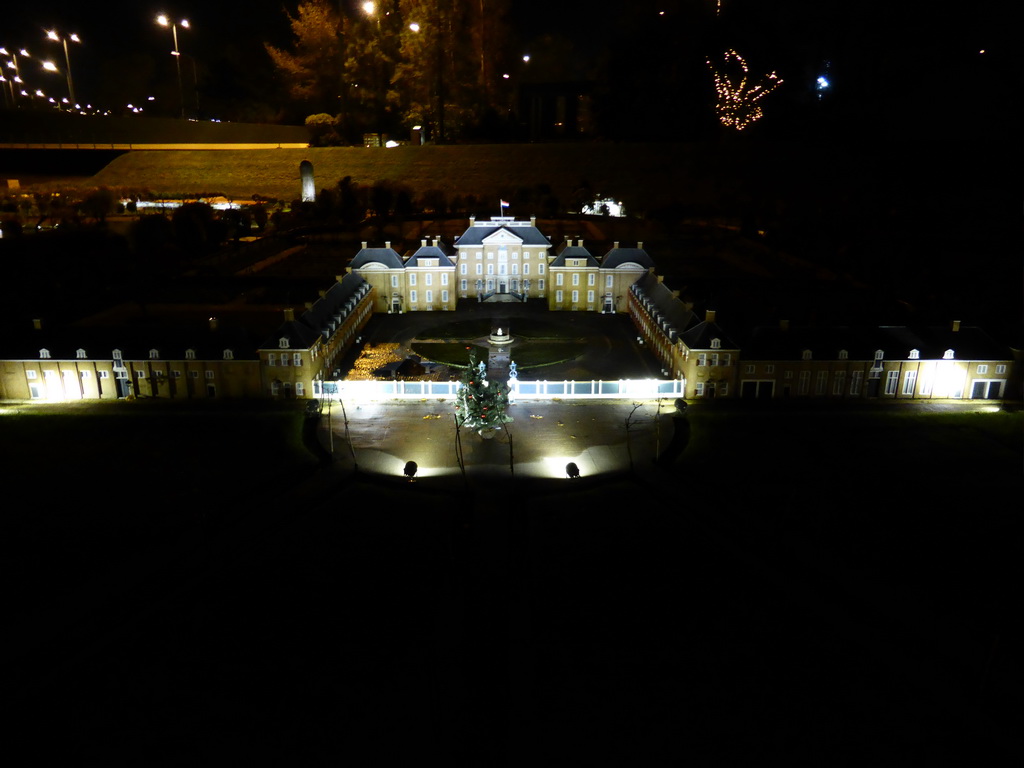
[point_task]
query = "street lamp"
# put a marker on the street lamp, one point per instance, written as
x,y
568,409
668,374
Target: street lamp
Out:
x,y
52,35
163,21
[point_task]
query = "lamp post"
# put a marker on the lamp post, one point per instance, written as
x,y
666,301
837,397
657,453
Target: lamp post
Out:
x,y
12,63
52,35
163,21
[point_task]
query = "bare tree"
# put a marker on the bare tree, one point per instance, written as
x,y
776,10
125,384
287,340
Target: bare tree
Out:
x,y
630,422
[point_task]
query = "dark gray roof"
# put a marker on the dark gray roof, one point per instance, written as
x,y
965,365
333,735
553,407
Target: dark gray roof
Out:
x,y
430,252
861,343
616,257
574,252
663,305
387,256
322,319
701,335
479,231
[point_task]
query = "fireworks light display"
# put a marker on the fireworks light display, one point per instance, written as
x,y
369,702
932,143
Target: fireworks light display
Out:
x,y
738,103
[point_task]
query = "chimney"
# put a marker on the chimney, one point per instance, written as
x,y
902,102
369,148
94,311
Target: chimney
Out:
x,y
709,316
437,242
423,242
956,326
338,277
784,325
387,243
675,294
323,293
472,220
364,245
580,242
308,304
640,245
289,315
533,221
37,323
213,323
615,245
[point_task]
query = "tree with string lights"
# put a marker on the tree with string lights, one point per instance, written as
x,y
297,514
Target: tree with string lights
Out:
x,y
481,404
738,98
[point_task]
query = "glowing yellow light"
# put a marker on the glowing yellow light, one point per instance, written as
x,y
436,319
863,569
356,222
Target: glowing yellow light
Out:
x,y
738,100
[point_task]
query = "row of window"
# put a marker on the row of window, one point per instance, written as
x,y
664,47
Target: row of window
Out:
x,y
591,279
139,374
714,358
154,354
575,296
981,368
295,358
277,386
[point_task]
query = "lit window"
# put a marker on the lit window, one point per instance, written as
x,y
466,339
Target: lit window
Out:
x,y
30,374
891,377
80,354
909,381
1000,369
104,374
947,355
44,354
982,368
915,354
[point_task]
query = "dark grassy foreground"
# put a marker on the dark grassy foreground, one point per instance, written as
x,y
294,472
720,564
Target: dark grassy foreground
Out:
x,y
822,587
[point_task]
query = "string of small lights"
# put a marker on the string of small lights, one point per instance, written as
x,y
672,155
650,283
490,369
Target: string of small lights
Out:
x,y
738,100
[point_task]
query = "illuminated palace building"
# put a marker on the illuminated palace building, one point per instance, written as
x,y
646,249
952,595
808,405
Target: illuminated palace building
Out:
x,y
498,260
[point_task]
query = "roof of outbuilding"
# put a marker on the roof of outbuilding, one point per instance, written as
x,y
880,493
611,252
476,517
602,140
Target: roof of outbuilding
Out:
x,y
388,257
701,335
480,231
430,252
617,257
664,302
574,252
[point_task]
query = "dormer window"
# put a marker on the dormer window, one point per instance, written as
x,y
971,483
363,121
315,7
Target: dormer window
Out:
x,y
80,354
915,354
116,354
190,354
947,355
844,355
879,354
282,343
44,354
229,355
716,343
806,355
154,354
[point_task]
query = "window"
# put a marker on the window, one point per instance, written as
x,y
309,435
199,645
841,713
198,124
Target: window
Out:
x,y
789,375
394,281
193,374
175,374
590,297
575,297
526,269
190,354
909,382
839,383
608,281
275,388
430,278
702,359
748,369
300,389
723,388
49,374
982,368
80,354
444,297
412,296
479,269
284,359
209,374
700,389
947,355
805,382
821,383
591,278
559,279
44,354
490,269
154,354
915,354
515,268
843,354
272,359
490,254
30,374
297,359
714,358
879,354
116,354
412,278
464,269
140,374
229,354
444,278
540,285
769,369
716,343
806,354
575,278
891,377
104,374
540,269
1000,369
430,297
856,379
282,343
558,296
726,359
463,285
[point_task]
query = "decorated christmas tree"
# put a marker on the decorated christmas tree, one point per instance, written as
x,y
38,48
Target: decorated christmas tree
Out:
x,y
479,403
